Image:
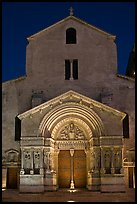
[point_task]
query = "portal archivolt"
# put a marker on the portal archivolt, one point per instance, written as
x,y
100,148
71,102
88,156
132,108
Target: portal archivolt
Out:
x,y
71,110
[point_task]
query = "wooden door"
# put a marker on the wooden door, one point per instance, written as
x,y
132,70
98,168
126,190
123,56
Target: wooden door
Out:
x,y
12,178
130,177
80,169
64,169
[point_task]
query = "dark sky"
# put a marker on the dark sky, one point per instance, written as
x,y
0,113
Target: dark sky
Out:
x,y
23,19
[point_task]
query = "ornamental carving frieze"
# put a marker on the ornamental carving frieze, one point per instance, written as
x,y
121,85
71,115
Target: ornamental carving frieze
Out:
x,y
75,144
72,132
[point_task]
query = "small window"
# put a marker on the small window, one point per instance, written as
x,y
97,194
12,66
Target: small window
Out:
x,y
17,129
70,36
67,69
71,69
126,127
75,69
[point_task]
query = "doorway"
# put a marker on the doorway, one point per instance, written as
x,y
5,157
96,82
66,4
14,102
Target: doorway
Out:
x,y
131,174
12,178
79,169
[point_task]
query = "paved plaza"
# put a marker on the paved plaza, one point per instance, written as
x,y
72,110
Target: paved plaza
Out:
x,y
67,196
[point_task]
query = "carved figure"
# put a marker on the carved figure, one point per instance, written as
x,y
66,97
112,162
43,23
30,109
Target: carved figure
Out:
x,y
37,160
27,161
107,161
47,160
72,132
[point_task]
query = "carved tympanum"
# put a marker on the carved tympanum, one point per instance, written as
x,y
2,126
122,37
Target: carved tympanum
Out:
x,y
72,132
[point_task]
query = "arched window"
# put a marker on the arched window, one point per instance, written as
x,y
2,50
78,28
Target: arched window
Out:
x,y
70,36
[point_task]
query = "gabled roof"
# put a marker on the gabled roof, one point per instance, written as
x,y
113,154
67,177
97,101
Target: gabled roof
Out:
x,y
69,97
75,19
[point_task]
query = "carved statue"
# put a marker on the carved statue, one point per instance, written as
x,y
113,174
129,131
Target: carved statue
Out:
x,y
27,160
107,161
92,161
47,160
117,161
37,160
71,131
95,160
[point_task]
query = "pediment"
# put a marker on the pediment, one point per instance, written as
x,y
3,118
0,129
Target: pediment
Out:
x,y
71,97
74,19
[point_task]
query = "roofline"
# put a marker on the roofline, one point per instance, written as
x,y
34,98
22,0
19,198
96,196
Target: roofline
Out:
x,y
14,80
75,18
126,77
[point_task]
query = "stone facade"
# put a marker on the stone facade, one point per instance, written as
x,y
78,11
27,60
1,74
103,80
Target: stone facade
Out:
x,y
69,115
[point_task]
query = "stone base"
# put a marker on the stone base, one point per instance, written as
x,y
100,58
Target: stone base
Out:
x,y
112,188
93,184
31,183
31,189
50,188
93,188
112,184
50,181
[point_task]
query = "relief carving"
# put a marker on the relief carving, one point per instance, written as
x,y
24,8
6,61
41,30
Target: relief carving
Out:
x,y
12,157
72,132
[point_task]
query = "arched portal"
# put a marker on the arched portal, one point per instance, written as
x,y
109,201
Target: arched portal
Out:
x,y
71,131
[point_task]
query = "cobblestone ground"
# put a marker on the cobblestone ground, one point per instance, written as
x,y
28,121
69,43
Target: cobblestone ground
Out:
x,y
66,196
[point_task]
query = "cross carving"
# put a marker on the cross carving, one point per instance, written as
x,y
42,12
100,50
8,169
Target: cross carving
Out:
x,y
71,11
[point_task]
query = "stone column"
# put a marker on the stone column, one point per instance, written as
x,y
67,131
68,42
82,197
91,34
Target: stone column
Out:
x,y
112,161
22,162
102,161
41,161
72,169
22,159
71,69
31,158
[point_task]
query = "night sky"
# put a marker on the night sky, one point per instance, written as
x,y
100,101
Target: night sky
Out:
x,y
23,19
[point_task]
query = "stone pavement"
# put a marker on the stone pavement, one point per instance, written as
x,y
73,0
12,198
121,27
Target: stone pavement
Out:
x,y
67,196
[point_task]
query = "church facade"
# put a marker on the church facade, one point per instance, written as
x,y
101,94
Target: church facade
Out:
x,y
70,122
